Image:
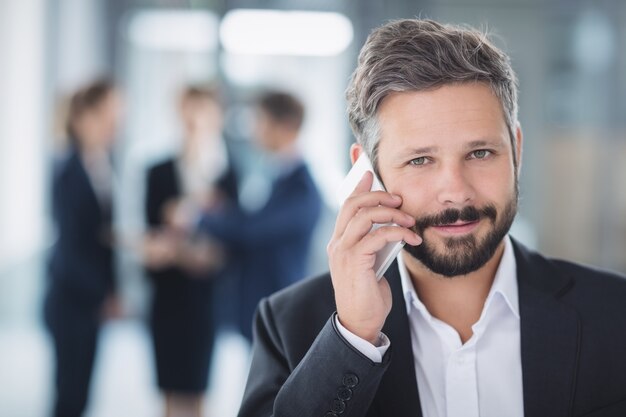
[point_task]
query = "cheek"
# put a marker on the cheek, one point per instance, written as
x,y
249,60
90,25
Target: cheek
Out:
x,y
498,191
418,197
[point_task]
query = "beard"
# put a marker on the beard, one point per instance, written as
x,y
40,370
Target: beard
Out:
x,y
468,253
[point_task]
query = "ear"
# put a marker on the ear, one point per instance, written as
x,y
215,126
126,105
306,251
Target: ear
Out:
x,y
519,139
355,152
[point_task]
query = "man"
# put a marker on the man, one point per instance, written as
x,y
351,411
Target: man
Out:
x,y
467,322
268,245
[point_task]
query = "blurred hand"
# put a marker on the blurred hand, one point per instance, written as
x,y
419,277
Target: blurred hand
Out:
x,y
363,303
200,256
112,308
180,214
210,199
159,250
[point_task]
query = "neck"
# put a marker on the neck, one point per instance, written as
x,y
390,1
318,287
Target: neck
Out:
x,y
92,147
286,151
457,301
194,143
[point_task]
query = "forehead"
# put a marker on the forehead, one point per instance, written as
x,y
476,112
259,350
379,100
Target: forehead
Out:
x,y
447,116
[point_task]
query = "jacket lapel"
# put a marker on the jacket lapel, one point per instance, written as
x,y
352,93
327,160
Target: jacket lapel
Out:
x,y
550,335
79,171
397,394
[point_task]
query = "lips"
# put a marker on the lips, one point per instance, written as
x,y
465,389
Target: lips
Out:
x,y
459,227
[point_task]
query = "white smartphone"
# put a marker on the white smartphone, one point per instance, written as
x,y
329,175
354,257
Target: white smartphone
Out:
x,y
386,256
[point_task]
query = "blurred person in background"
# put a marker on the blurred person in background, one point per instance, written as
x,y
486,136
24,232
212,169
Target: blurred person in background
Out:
x,y
81,285
268,241
181,266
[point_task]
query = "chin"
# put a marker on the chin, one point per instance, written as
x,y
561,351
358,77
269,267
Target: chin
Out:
x,y
456,256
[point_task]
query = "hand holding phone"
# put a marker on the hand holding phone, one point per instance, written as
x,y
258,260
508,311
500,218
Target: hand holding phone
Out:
x,y
369,231
385,256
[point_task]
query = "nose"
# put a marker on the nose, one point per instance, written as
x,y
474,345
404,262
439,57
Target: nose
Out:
x,y
454,185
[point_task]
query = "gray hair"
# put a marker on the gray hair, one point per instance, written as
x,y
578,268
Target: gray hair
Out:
x,y
419,55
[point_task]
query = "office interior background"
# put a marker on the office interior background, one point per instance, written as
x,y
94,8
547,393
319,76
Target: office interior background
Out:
x,y
570,57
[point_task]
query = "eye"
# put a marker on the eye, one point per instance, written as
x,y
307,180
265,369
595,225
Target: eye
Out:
x,y
422,160
480,154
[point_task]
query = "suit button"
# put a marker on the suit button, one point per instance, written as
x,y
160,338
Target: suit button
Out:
x,y
350,380
329,414
344,393
338,406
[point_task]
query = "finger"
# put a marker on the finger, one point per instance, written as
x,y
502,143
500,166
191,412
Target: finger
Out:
x,y
359,201
361,223
377,239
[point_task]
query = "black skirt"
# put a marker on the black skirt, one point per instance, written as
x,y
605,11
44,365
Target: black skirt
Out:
x,y
183,331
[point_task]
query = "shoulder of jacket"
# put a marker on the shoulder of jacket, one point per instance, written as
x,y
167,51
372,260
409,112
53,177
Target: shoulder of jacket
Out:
x,y
593,274
307,296
161,165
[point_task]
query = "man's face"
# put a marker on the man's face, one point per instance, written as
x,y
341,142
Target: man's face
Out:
x,y
271,134
447,153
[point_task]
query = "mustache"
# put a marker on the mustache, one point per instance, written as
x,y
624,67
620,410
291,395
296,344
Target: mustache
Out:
x,y
451,215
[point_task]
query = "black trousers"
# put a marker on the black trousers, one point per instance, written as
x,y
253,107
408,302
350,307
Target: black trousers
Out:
x,y
75,338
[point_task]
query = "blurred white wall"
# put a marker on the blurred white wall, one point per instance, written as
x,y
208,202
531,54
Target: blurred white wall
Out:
x,y
80,43
22,144
22,196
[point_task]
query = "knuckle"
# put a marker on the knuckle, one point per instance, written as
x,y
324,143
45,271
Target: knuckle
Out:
x,y
329,248
360,214
332,247
350,202
387,232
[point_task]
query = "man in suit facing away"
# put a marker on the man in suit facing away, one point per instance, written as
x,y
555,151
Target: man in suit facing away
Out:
x,y
268,241
467,322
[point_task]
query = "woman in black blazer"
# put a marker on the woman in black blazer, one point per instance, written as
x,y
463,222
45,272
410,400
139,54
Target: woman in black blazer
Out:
x,y
81,281
181,267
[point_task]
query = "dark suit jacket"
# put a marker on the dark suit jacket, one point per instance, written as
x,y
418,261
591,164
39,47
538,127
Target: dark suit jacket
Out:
x,y
175,290
81,260
163,185
573,345
268,248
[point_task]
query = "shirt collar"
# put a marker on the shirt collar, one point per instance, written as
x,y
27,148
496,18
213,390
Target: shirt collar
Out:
x,y
504,283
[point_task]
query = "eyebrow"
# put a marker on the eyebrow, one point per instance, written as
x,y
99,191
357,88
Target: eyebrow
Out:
x,y
425,149
484,143
471,145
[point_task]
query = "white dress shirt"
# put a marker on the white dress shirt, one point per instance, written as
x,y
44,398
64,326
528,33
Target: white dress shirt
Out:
x,y
481,378
201,169
99,170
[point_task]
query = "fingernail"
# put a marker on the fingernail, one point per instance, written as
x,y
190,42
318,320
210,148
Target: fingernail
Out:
x,y
396,197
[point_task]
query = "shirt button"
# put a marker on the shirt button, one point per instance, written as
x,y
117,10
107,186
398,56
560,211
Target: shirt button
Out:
x,y
344,393
350,380
338,406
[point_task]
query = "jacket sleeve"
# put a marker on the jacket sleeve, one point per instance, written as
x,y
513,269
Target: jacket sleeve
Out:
x,y
331,379
82,261
153,201
292,211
